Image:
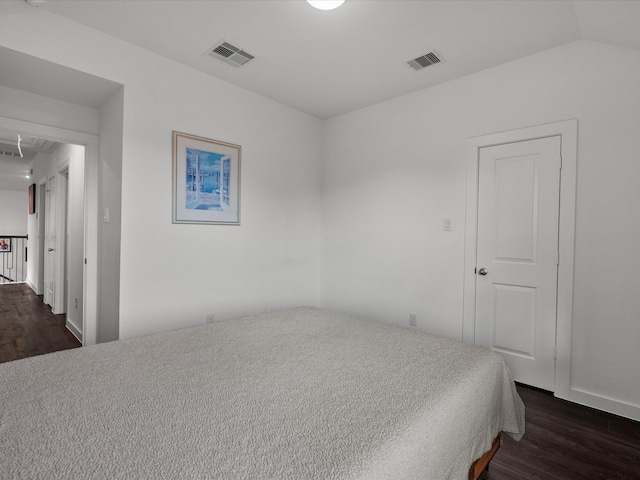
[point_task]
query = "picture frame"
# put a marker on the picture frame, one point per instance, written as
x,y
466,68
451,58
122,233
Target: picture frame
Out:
x,y
206,180
32,198
5,245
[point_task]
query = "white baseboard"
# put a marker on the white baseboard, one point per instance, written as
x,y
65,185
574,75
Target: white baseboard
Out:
x,y
74,330
600,402
32,286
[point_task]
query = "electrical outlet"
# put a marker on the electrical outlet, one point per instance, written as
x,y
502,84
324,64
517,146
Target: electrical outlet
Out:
x,y
76,303
211,318
413,319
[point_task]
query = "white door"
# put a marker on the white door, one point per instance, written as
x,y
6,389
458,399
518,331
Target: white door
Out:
x,y
50,243
517,256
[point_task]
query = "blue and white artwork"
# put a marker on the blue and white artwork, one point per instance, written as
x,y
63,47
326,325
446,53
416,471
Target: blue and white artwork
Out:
x,y
203,181
206,180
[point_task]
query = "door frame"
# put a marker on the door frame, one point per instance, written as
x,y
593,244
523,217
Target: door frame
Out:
x,y
568,131
61,259
91,209
49,264
41,217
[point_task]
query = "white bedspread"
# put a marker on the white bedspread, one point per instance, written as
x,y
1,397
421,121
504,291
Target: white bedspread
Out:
x,y
297,394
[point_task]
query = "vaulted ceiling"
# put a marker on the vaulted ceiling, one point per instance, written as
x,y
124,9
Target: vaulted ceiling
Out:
x,y
329,62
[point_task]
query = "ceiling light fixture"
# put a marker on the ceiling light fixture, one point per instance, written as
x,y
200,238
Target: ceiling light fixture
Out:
x,y
325,4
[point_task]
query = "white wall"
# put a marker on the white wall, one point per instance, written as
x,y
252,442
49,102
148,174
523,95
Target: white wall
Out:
x,y
13,221
26,106
173,275
111,116
393,171
13,212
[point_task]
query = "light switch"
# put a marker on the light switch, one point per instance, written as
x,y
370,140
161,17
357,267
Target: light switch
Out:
x,y
106,215
446,224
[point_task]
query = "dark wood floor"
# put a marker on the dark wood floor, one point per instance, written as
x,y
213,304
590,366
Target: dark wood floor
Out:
x,y
563,440
566,441
27,326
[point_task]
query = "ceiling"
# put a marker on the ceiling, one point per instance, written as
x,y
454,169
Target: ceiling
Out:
x,y
23,148
321,62
15,162
324,63
31,74
330,62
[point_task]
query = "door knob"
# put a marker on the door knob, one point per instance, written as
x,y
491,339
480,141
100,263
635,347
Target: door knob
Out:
x,y
51,249
483,271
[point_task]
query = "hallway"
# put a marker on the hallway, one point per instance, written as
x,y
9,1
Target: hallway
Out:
x,y
27,326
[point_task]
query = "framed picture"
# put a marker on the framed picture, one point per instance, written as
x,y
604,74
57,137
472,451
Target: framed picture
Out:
x,y
206,180
32,198
5,245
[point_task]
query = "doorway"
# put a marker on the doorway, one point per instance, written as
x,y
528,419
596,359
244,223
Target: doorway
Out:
x,y
82,107
517,343
85,304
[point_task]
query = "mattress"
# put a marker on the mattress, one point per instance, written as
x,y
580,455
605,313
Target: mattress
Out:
x,y
295,394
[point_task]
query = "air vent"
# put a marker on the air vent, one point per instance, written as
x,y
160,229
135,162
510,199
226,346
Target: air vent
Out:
x,y
227,53
424,61
9,153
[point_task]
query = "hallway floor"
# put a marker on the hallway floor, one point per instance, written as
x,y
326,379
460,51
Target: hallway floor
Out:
x,y
27,326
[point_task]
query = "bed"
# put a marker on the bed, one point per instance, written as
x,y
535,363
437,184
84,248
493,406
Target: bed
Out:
x,y
296,394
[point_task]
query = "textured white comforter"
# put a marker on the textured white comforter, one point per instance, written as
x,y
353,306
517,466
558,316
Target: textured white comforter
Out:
x,y
297,394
